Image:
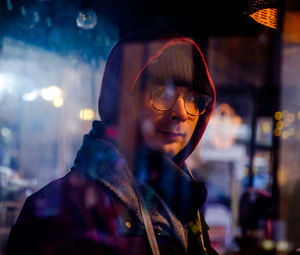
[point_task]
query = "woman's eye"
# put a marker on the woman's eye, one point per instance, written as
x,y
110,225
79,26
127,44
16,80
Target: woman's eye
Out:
x,y
190,98
160,93
164,93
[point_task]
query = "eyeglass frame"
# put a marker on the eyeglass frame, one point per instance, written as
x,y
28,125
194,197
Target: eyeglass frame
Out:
x,y
207,101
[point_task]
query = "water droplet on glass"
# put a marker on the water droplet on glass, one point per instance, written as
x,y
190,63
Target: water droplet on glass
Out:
x,y
86,19
36,17
48,21
9,5
23,10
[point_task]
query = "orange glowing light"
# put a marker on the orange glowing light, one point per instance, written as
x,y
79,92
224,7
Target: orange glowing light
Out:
x,y
291,24
278,115
267,17
279,124
277,131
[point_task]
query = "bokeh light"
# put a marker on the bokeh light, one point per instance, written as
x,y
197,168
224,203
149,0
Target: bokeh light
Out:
x,y
268,244
58,102
285,134
279,124
282,246
278,115
50,93
291,117
1,83
277,131
86,114
86,19
266,127
6,132
31,96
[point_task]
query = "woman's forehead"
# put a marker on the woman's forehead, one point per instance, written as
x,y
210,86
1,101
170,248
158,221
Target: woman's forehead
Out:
x,y
171,87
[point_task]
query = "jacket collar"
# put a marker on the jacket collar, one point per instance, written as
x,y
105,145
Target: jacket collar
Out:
x,y
175,196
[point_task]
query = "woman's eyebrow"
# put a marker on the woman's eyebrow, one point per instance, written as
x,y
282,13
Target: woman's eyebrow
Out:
x,y
192,90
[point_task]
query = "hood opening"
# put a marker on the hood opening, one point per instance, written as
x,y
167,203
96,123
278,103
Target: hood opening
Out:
x,y
134,62
166,69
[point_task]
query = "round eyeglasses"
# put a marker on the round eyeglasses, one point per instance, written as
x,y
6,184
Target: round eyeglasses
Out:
x,y
164,98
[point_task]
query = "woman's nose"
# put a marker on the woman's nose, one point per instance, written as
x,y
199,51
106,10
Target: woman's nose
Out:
x,y
178,110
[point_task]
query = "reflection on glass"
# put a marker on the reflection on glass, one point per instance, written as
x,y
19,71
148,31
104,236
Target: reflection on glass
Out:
x,y
86,19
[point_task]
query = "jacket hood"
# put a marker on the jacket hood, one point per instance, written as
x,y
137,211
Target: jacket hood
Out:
x,y
130,58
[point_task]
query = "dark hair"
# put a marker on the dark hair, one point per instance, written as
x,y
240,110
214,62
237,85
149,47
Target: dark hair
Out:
x,y
180,65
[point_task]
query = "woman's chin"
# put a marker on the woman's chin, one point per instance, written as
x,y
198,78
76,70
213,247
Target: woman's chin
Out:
x,y
169,150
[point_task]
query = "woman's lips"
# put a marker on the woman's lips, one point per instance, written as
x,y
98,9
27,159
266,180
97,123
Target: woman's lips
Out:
x,y
173,136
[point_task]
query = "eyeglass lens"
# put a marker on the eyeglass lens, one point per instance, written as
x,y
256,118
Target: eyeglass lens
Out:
x,y
164,98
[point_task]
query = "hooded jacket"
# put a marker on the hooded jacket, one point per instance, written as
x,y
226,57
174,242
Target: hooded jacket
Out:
x,y
99,206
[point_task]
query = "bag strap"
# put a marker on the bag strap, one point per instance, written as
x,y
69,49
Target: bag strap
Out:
x,y
199,223
148,225
145,216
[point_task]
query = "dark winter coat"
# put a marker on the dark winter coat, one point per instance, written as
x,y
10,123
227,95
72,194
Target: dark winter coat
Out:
x,y
94,210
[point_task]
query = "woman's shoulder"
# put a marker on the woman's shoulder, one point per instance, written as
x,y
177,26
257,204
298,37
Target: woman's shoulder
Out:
x,y
60,196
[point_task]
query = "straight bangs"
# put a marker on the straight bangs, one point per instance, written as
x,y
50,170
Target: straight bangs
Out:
x,y
178,65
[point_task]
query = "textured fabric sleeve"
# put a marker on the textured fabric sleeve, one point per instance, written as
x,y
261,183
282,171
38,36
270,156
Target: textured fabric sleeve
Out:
x,y
21,233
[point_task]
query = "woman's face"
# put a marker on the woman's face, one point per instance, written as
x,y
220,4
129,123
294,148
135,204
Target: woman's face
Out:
x,y
168,130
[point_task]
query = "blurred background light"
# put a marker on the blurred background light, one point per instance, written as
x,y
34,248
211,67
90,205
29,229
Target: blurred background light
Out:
x,y
31,96
285,113
278,115
279,124
282,246
86,114
266,127
268,244
285,134
58,102
51,93
6,132
1,83
291,117
86,19
277,131
7,82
